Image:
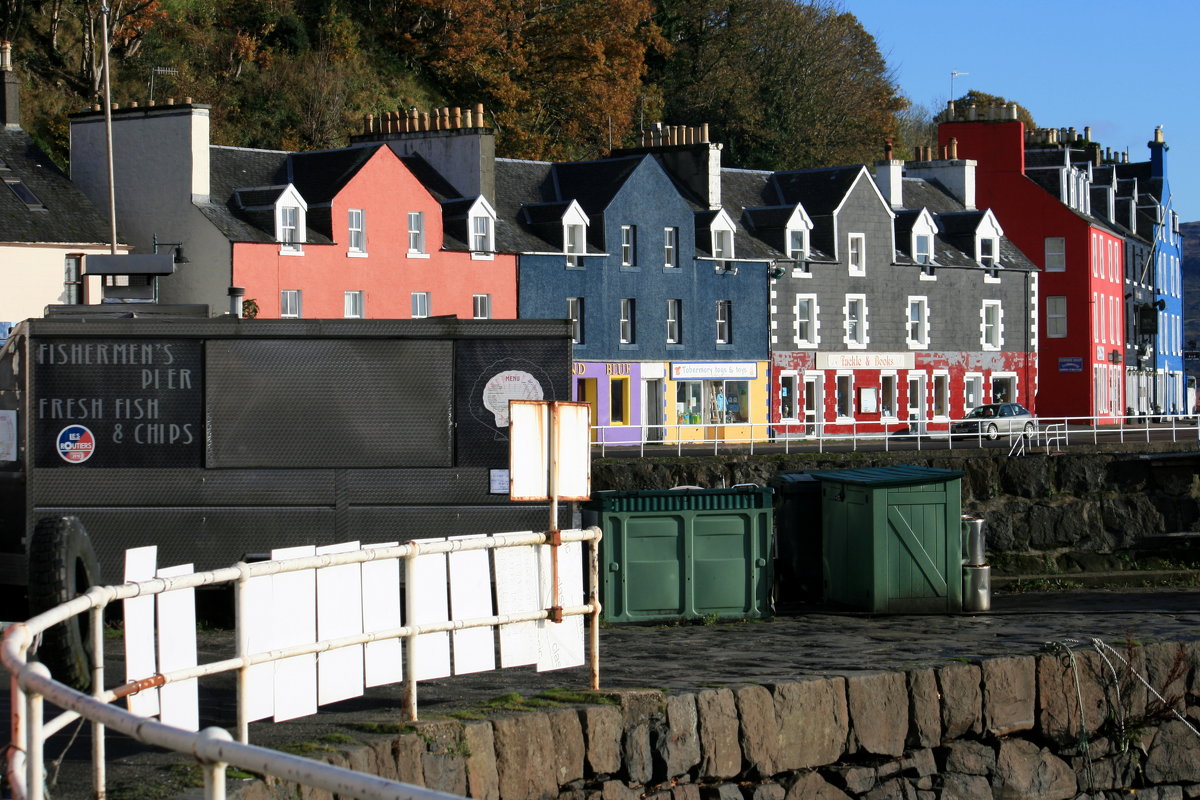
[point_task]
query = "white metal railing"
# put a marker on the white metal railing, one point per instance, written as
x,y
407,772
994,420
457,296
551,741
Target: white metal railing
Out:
x,y
214,747
799,436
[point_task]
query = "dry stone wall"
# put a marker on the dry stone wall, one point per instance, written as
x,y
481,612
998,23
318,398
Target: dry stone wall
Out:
x,y
1074,724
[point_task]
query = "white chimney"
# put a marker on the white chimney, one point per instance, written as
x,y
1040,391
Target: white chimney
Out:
x,y
889,177
957,175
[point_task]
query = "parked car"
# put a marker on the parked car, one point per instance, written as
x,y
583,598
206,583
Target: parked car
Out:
x,y
995,418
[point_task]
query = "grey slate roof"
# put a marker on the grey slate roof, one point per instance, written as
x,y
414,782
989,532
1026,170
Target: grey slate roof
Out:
x,y
67,216
820,191
517,183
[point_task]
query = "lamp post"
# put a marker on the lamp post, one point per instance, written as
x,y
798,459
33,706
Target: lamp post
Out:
x,y
177,256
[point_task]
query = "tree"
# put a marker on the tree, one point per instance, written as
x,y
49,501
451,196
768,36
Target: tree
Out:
x,y
982,100
784,84
562,80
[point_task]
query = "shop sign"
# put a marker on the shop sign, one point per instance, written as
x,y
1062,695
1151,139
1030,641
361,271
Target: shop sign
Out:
x,y
714,370
866,360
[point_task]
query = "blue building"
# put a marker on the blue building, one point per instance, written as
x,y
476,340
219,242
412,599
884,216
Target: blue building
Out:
x,y
667,292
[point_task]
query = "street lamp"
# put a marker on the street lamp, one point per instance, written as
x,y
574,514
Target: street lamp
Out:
x,y
180,258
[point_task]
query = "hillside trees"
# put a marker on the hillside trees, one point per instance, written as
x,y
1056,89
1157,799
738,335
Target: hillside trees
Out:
x,y
561,79
784,84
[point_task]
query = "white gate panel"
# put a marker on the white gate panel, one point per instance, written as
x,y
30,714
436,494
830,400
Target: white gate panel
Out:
x,y
258,617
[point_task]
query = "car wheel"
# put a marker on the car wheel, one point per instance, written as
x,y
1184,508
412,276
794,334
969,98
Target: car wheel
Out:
x,y
1028,430
992,431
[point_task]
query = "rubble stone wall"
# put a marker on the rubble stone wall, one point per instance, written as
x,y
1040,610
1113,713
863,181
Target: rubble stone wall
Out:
x,y
1077,723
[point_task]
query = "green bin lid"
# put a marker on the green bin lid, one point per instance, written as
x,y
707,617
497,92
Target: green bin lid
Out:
x,y
643,500
889,476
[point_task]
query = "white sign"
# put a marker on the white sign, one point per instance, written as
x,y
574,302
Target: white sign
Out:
x,y
714,370
533,467
8,435
866,360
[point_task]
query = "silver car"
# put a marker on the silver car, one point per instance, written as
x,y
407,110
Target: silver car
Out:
x,y
995,418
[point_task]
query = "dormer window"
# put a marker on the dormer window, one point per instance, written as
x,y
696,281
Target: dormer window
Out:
x,y
290,225
797,245
481,227
923,249
987,247
722,245
796,240
575,224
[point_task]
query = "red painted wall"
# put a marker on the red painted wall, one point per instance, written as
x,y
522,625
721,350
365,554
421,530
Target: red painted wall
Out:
x,y
1029,214
386,191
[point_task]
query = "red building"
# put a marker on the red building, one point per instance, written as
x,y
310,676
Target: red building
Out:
x,y
1042,199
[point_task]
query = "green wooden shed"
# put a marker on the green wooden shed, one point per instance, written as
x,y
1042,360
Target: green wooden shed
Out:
x,y
890,538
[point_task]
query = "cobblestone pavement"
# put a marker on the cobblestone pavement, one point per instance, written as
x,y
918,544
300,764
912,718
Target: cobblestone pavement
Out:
x,y
684,657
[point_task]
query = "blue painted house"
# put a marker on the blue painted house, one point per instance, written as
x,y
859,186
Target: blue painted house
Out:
x,y
667,293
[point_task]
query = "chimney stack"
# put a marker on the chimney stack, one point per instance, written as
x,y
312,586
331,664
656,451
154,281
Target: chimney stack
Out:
x,y
10,89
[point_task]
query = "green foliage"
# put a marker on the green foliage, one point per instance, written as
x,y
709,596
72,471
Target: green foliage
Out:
x,y
982,100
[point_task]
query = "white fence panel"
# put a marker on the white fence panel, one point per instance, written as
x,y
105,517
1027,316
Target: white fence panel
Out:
x,y
140,662
339,613
517,591
295,622
257,616
384,661
428,602
561,643
177,650
471,598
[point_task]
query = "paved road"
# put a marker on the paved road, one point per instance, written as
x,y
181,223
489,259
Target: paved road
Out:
x,y
685,657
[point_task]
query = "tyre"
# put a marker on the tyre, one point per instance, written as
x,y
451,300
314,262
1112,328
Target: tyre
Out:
x,y
1028,430
62,565
993,432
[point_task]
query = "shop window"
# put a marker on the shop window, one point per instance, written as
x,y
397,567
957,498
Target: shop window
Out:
x,y
618,400
972,392
689,402
887,395
787,396
845,396
941,395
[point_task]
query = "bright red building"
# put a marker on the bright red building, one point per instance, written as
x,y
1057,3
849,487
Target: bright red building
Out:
x,y
1042,200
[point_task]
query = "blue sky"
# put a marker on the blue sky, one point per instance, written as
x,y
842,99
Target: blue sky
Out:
x,y
1120,67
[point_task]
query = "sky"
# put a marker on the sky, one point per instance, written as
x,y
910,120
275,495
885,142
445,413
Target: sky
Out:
x,y
1120,67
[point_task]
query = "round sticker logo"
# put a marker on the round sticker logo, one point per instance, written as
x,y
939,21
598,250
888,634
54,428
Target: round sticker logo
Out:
x,y
76,444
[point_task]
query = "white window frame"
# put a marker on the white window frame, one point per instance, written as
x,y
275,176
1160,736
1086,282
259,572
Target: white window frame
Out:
x,y
674,320
575,307
1056,253
797,383
860,341
724,322
722,246
991,333
1056,317
799,224
291,304
628,245
922,322
968,379
481,306
797,244
814,340
670,247
353,305
356,227
627,332
989,261
291,238
856,257
923,255
848,375
889,401
416,235
574,236
422,304
939,395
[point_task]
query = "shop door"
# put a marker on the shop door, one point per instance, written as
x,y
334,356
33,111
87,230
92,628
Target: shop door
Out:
x,y
813,403
585,389
916,404
654,412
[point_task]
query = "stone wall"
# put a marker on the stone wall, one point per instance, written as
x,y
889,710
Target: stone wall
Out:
x,y
1058,725
1098,501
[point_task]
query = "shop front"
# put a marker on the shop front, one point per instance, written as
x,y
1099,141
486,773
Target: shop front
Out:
x,y
613,391
723,400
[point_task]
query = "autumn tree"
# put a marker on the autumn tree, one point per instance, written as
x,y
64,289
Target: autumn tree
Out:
x,y
784,84
562,80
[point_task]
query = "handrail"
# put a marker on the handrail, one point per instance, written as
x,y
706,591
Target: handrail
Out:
x,y
214,747
802,435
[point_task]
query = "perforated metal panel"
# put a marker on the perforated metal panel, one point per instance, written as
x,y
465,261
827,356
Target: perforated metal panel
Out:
x,y
329,403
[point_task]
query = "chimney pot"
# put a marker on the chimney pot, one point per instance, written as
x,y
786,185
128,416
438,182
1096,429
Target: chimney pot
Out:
x,y
1087,132
972,113
953,148
425,121
457,118
704,132
150,103
115,106
887,149
187,101
369,123
170,101
6,57
1158,134
96,107
133,104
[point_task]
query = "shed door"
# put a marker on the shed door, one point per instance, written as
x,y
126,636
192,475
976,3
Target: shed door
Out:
x,y
922,563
